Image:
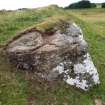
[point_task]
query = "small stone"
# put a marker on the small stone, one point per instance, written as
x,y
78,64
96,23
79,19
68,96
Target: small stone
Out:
x,y
98,102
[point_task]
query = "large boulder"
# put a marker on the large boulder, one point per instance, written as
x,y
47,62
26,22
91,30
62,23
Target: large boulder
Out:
x,y
56,51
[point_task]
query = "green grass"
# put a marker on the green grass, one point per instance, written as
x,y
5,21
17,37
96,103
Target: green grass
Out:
x,y
13,87
12,22
22,88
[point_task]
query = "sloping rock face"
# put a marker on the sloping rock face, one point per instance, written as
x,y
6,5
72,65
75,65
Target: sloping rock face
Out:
x,y
60,53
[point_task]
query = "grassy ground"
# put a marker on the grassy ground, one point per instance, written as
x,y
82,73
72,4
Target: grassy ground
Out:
x,y
13,22
22,88
92,22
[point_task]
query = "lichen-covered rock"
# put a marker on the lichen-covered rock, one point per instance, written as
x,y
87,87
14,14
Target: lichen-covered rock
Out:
x,y
58,52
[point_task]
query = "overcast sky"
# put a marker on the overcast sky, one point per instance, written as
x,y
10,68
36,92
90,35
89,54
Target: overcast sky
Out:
x,y
15,4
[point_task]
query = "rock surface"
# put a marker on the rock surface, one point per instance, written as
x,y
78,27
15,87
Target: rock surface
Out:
x,y
58,53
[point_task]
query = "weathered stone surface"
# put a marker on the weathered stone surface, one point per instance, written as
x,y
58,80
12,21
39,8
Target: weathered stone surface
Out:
x,y
59,54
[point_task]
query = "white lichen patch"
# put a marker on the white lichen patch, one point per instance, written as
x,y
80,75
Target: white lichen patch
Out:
x,y
86,74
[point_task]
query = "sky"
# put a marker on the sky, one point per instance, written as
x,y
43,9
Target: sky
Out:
x,y
15,4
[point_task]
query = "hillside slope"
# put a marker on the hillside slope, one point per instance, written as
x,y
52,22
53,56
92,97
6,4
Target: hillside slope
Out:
x,y
22,88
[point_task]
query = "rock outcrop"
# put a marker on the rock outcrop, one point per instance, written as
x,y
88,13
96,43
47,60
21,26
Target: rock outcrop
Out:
x,y
56,52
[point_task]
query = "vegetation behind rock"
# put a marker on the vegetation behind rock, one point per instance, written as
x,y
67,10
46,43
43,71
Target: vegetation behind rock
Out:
x,y
81,4
103,5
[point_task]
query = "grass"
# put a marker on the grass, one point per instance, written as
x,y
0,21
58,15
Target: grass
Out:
x,y
12,22
12,84
95,36
22,88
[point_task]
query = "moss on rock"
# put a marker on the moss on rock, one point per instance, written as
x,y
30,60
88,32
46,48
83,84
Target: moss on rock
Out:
x,y
53,24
